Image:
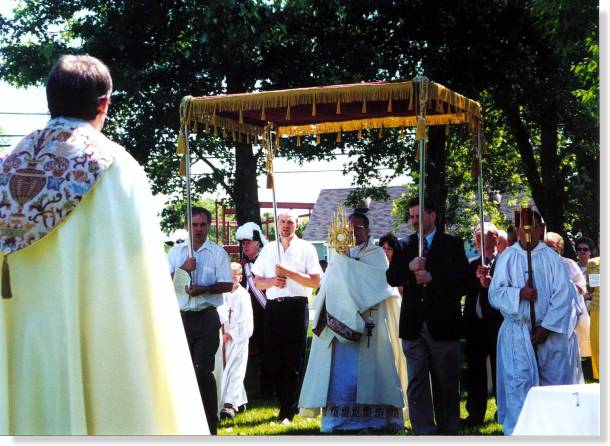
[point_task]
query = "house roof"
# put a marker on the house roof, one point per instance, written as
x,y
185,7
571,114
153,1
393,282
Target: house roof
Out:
x,y
379,214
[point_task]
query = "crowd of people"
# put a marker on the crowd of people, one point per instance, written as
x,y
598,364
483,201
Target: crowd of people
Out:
x,y
106,339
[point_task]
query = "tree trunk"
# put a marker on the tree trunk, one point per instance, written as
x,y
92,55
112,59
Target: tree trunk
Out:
x,y
436,185
245,191
245,188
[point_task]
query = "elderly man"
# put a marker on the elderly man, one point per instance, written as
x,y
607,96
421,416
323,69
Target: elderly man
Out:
x,y
356,368
90,342
288,270
526,357
251,240
481,325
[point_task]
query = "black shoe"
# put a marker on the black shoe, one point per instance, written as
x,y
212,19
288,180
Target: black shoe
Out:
x,y
227,412
469,422
241,408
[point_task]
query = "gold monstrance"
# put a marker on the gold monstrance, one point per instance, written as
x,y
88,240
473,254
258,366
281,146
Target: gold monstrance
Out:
x,y
340,232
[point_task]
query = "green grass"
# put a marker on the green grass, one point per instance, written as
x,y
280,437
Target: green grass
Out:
x,y
261,416
261,419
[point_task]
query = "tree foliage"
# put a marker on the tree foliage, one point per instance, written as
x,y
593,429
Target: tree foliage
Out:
x,y
533,65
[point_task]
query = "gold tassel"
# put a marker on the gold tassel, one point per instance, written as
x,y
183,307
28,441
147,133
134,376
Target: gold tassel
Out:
x,y
380,135
224,132
314,111
233,137
263,114
420,133
299,141
317,138
364,105
181,146
206,128
447,130
214,117
359,133
215,131
182,168
269,181
7,293
241,116
195,127
411,101
338,137
390,105
288,113
338,111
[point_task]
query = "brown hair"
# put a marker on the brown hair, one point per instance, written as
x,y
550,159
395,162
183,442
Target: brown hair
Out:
x,y
76,85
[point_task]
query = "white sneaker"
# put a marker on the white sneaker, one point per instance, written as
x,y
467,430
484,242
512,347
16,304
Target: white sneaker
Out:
x,y
286,422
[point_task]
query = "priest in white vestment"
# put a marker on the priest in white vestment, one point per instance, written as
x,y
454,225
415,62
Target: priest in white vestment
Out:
x,y
237,326
519,365
91,341
356,371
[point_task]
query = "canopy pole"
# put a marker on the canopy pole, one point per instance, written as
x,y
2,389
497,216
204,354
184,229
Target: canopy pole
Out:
x,y
422,186
422,83
480,186
268,146
189,206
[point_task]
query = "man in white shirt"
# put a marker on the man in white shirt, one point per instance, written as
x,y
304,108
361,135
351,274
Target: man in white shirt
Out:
x,y
210,271
288,275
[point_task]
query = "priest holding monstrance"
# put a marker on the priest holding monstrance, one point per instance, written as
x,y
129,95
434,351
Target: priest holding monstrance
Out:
x,y
356,366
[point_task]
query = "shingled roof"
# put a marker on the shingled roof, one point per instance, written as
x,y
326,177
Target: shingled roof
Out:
x,y
379,214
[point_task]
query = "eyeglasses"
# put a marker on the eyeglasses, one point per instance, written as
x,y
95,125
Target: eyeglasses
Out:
x,y
585,249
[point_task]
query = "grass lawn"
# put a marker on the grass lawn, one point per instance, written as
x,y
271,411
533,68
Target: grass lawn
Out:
x,y
261,419
261,416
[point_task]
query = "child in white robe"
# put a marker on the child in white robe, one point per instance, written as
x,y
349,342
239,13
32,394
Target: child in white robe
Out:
x,y
238,325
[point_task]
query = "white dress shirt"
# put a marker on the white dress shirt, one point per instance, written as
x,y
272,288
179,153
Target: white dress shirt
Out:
x,y
300,256
213,266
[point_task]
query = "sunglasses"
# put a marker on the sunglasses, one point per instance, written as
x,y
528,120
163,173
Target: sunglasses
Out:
x,y
582,249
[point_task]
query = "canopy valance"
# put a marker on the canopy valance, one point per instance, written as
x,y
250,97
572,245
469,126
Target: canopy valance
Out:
x,y
329,109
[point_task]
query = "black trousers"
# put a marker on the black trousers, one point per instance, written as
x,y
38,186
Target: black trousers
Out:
x,y
286,321
201,328
257,347
480,343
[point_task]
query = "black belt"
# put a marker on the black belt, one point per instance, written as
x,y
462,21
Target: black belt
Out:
x,y
195,312
288,299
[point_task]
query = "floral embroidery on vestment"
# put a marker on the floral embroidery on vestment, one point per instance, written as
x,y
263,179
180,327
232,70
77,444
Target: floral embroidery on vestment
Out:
x,y
44,178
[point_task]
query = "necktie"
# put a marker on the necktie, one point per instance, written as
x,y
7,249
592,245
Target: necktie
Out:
x,y
426,250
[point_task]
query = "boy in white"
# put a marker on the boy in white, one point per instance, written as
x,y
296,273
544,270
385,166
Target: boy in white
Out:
x,y
237,322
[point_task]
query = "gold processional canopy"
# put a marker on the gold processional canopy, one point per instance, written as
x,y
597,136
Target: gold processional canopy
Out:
x,y
330,109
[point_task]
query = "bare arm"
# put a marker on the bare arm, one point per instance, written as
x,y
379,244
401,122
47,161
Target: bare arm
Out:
x,y
215,288
307,280
264,283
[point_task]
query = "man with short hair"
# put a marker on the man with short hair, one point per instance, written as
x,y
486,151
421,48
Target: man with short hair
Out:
x,y
481,325
287,270
210,276
90,342
526,357
251,240
430,320
356,369
502,240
